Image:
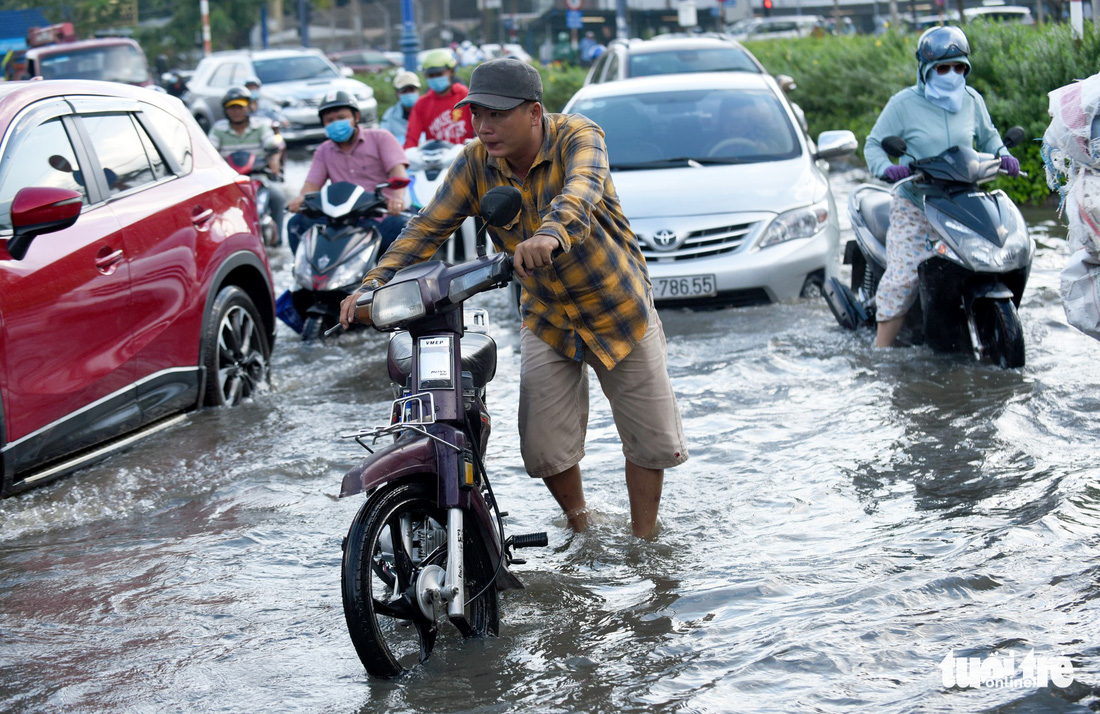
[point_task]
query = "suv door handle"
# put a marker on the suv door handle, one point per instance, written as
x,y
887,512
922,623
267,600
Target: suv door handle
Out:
x,y
199,215
107,263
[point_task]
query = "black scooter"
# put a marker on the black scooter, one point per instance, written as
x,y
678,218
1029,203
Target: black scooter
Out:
x,y
428,546
970,289
334,255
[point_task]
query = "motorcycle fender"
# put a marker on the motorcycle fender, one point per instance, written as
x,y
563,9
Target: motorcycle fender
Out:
x,y
389,463
991,291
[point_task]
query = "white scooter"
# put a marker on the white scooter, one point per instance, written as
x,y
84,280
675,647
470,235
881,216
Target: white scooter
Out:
x,y
428,164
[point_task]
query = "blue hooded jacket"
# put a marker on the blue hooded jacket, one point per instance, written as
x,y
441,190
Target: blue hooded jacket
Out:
x,y
929,130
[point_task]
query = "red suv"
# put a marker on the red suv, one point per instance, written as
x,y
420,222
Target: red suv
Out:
x,y
134,285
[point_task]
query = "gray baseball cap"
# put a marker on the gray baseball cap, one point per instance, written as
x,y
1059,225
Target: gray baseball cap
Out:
x,y
503,84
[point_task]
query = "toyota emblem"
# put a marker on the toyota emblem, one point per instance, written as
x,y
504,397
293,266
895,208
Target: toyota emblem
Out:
x,y
664,239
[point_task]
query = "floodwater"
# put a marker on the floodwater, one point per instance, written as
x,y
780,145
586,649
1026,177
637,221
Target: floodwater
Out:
x,y
850,522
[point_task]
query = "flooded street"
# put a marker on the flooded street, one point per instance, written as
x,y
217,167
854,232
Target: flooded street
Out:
x,y
850,520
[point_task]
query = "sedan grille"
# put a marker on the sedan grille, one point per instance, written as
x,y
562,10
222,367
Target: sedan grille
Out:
x,y
700,244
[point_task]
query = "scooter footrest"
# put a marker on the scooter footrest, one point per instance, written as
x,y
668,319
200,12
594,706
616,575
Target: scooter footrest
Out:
x,y
530,540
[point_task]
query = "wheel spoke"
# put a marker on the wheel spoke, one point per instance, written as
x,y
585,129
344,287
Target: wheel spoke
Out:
x,y
402,560
427,632
400,609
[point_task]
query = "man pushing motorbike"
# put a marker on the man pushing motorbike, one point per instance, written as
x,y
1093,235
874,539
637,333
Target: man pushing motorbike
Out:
x,y
366,157
939,112
590,304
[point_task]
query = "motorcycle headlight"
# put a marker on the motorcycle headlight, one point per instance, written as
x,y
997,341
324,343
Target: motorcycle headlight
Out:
x,y
981,255
799,223
352,272
395,304
303,271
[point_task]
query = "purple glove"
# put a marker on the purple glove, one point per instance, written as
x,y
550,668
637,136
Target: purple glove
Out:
x,y
896,173
1010,165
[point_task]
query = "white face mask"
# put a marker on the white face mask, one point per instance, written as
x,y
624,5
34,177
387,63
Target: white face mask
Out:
x,y
946,90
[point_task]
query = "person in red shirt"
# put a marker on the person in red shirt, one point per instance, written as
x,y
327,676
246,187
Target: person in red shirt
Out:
x,y
434,114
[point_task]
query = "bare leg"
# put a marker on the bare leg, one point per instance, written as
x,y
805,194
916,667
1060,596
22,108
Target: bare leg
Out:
x,y
887,331
644,487
568,491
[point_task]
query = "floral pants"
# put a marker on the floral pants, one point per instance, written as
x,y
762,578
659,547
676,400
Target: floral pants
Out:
x,y
908,244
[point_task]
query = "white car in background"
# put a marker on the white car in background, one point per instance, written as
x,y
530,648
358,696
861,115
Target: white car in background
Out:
x,y
728,195
294,79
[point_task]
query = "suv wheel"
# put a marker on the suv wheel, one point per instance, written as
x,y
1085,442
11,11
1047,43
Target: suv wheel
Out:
x,y
235,350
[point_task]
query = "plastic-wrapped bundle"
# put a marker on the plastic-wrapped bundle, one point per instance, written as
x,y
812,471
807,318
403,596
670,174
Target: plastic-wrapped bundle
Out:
x,y
1071,152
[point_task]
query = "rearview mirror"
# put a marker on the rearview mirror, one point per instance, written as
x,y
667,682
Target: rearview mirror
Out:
x,y
38,210
835,144
894,146
500,205
1014,137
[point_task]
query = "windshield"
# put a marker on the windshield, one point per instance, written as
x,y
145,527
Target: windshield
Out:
x,y
114,63
704,126
711,59
293,69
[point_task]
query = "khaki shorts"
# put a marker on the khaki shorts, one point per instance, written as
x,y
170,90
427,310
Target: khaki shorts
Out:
x,y
553,405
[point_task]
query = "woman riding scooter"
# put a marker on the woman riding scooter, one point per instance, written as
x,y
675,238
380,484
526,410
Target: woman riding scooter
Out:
x,y
939,112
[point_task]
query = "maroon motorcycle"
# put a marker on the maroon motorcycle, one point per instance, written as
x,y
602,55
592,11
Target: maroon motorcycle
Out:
x,y
428,546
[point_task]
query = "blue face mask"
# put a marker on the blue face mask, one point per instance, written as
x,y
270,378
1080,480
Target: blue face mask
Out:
x,y
255,94
439,85
946,90
409,99
340,130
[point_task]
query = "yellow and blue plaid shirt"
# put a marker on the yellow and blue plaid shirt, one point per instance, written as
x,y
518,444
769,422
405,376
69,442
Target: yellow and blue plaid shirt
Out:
x,y
597,290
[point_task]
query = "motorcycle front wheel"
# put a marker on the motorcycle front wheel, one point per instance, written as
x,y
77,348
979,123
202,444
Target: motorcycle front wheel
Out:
x,y
399,535
1000,332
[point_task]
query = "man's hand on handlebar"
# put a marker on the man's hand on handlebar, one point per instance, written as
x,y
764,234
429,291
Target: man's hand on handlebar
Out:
x,y
349,314
395,204
534,253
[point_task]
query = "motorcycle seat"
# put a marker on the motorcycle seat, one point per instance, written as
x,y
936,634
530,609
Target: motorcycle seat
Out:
x,y
875,209
479,357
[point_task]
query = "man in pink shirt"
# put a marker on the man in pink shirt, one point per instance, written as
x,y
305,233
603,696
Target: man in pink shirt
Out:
x,y
366,157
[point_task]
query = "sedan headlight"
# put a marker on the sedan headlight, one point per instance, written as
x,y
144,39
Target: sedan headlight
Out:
x,y
799,223
394,304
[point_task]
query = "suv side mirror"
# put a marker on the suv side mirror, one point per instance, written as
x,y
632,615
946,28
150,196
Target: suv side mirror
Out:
x,y
38,210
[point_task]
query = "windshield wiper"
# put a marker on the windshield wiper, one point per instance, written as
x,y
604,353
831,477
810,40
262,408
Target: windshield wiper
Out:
x,y
677,161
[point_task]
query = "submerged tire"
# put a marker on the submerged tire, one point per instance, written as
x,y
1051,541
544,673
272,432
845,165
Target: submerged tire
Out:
x,y
235,349
1000,332
312,329
378,581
